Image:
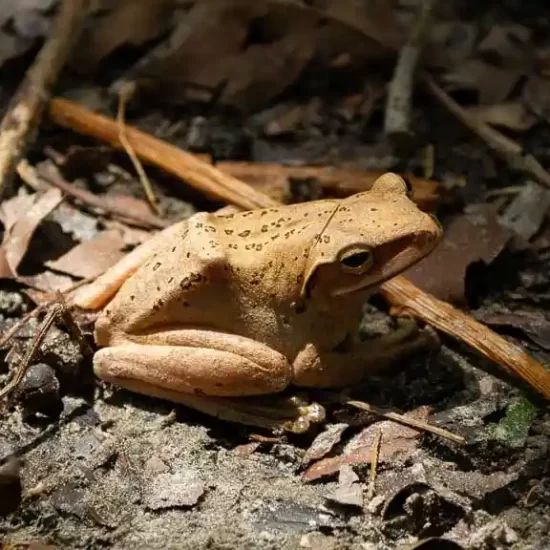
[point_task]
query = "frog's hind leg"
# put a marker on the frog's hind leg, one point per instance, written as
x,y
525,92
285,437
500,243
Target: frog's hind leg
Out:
x,y
216,373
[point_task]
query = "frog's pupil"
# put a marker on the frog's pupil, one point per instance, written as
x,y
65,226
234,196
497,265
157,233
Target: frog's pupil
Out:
x,y
356,260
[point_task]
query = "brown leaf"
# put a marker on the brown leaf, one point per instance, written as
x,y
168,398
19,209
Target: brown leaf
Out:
x,y
91,258
493,83
47,282
468,238
21,218
349,491
396,439
512,115
252,51
534,326
324,442
129,22
527,212
536,95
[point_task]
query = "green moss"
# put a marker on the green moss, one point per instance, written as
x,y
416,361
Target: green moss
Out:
x,y
513,429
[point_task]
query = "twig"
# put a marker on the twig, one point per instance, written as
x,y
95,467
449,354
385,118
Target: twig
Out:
x,y
405,420
273,178
398,291
398,105
147,221
25,109
173,160
409,300
374,466
124,94
12,332
23,366
507,149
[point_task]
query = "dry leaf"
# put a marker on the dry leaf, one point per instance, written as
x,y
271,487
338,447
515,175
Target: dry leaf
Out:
x,y
527,212
47,282
467,238
396,439
247,52
128,23
536,95
493,83
324,442
19,228
534,325
512,115
91,258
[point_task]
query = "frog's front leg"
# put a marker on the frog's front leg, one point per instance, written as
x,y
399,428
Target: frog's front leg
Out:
x,y
339,368
204,370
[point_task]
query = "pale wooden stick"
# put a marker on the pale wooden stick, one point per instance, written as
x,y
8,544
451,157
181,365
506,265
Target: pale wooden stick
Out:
x,y
25,109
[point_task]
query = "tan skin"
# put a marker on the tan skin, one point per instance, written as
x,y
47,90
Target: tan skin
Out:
x,y
240,305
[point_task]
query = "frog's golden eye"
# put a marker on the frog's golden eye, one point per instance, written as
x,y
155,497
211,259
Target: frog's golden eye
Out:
x,y
356,260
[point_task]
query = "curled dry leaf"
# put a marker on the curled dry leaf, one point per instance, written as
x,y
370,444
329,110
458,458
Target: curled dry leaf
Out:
x,y
21,217
468,238
396,439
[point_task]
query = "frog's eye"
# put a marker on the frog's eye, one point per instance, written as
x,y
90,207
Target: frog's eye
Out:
x,y
356,260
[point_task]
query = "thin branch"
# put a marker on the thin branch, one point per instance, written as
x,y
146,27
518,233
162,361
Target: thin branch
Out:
x,y
405,420
25,109
146,221
398,105
410,300
509,150
202,176
124,94
25,362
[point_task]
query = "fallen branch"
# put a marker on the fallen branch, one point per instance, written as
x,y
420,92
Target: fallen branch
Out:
x,y
397,120
407,299
398,291
269,179
273,179
25,109
509,150
170,158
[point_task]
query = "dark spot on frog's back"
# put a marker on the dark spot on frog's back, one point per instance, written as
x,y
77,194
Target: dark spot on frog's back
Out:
x,y
228,231
244,233
156,266
187,282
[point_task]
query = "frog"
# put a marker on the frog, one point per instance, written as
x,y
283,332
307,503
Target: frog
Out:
x,y
223,311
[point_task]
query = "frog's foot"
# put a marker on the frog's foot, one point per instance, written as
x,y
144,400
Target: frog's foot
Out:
x,y
352,365
276,413
273,412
